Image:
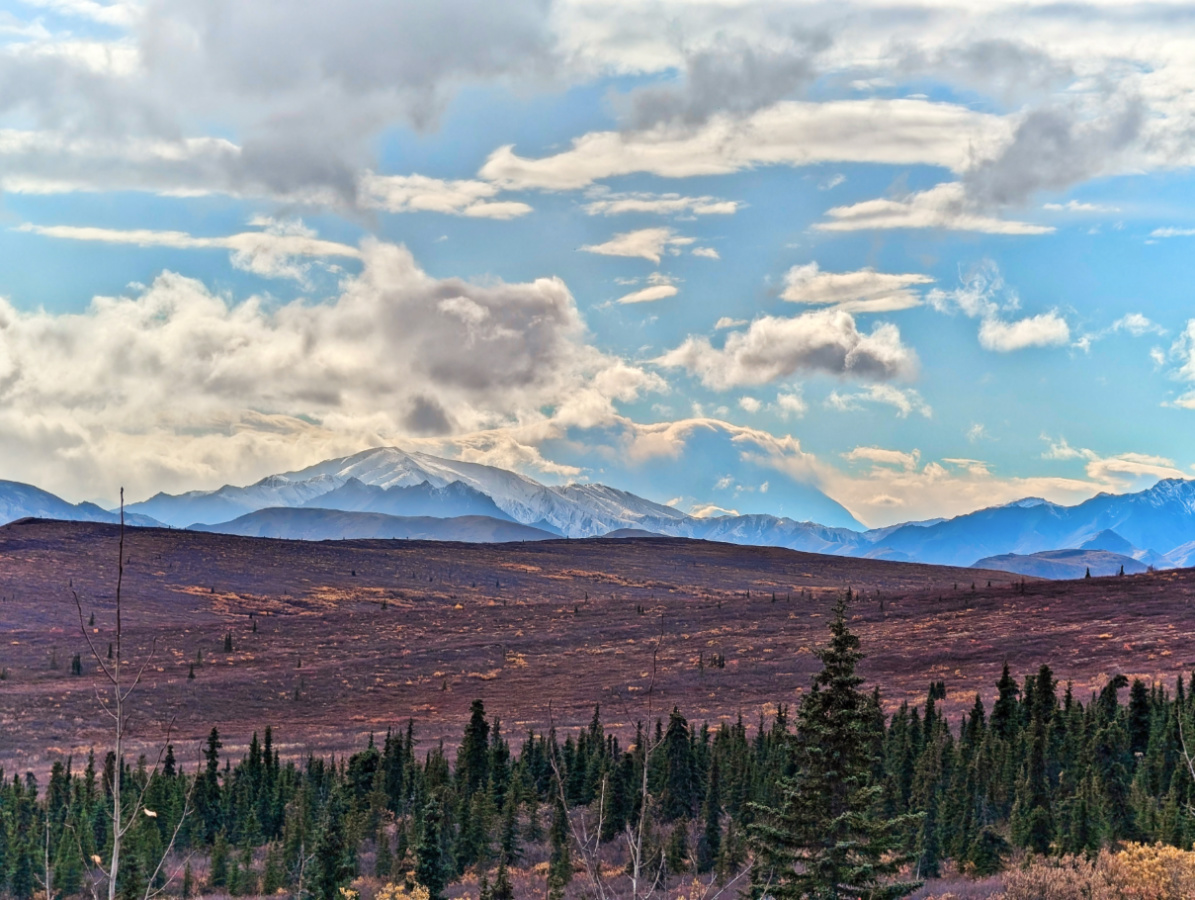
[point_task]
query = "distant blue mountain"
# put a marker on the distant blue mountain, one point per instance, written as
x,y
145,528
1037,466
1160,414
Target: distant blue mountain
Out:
x,y
1064,564
1154,527
334,524
451,500
1159,519
20,501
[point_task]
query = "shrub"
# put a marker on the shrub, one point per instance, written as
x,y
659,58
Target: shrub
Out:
x,y
1136,872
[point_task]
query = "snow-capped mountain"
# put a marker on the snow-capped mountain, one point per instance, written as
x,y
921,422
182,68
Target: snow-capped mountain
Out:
x,y
576,510
1152,523
1155,527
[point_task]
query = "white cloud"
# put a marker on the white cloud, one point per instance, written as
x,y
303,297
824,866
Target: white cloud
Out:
x,y
1137,325
1134,324
607,203
706,252
787,133
903,401
176,386
650,293
1043,330
773,348
790,404
120,13
893,491
1075,206
418,193
1060,449
647,243
880,456
728,322
863,291
944,206
984,295
1172,232
750,404
274,252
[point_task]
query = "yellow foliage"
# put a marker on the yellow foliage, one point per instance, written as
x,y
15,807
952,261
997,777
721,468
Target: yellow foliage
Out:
x,y
1136,872
399,892
1150,872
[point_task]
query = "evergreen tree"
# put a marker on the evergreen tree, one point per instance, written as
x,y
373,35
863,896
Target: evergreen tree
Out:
x,y
824,839
218,865
560,861
335,854
429,861
502,889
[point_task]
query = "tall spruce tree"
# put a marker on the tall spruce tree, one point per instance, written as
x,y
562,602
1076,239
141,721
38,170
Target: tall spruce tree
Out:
x,y
825,840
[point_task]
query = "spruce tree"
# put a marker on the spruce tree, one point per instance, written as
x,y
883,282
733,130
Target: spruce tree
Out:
x,y
825,840
335,855
429,861
560,861
502,889
218,866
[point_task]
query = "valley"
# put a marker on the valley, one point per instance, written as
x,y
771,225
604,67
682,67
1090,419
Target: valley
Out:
x,y
334,640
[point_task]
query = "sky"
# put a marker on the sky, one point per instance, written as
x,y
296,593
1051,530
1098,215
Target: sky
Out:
x,y
732,255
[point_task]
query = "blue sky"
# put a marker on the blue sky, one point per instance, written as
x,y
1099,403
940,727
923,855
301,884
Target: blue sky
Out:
x,y
728,255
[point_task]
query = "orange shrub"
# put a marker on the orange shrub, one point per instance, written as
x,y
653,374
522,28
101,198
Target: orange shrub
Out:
x,y
1136,872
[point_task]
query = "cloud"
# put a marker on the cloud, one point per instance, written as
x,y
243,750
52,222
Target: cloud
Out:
x,y
648,294
648,243
773,348
706,252
1074,206
606,203
790,403
728,322
945,206
1134,324
750,404
1054,147
794,133
1060,449
418,193
1137,325
1172,232
1126,470
118,13
274,252
863,291
984,295
880,456
731,76
178,386
903,401
902,487
1043,330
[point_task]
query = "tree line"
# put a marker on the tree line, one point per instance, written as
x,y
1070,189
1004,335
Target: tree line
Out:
x,y
830,798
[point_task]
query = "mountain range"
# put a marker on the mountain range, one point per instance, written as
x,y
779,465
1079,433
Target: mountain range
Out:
x,y
391,492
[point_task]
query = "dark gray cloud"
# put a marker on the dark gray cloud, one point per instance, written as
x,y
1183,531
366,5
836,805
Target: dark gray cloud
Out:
x,y
1055,147
427,417
300,88
1009,70
732,77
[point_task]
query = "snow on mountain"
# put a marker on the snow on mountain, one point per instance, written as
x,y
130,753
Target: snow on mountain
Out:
x,y
576,510
1149,525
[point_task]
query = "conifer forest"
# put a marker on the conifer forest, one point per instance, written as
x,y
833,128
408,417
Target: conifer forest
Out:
x,y
829,798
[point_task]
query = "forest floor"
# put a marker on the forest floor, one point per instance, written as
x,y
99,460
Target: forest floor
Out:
x,y
337,640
